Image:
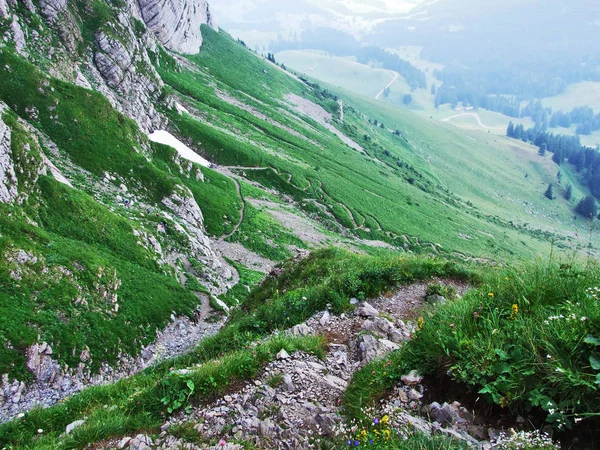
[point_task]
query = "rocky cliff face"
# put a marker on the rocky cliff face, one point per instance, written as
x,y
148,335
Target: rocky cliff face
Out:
x,y
116,60
176,23
8,178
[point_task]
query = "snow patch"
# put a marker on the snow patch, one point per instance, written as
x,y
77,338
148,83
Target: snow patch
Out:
x,y
166,138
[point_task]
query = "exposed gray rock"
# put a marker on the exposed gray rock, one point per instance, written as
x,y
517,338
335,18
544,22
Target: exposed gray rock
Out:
x,y
18,36
51,9
300,330
378,325
123,443
74,425
436,299
41,364
367,347
182,203
176,23
366,310
3,9
8,177
112,59
141,442
445,414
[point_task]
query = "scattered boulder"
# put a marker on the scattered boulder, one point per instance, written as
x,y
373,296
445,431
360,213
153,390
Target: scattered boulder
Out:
x,y
366,310
74,425
412,379
282,354
436,299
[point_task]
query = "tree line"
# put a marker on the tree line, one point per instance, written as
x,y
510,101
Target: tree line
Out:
x,y
566,149
413,76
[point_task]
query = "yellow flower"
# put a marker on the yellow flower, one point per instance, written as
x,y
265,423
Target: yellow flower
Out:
x,y
420,323
491,294
385,420
503,402
515,311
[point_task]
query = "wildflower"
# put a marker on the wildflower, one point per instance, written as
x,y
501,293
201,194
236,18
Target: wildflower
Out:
x,y
356,443
451,325
385,419
222,443
491,294
515,311
40,431
548,357
583,319
475,315
349,443
420,323
503,402
375,420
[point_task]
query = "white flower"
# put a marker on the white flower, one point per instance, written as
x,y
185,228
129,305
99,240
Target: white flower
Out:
x,y
40,431
583,319
548,356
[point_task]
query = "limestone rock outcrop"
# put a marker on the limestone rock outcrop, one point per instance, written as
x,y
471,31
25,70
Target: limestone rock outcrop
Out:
x,y
8,178
3,9
176,23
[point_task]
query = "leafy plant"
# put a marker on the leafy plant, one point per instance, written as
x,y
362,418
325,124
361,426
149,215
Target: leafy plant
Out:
x,y
179,388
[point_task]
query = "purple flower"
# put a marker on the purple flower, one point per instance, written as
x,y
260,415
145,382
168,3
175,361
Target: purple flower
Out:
x,y
349,443
375,420
370,441
356,443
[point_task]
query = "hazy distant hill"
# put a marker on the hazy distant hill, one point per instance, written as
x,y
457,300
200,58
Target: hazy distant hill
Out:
x,y
471,30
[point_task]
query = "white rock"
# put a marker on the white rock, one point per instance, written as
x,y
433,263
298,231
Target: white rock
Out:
x,y
282,354
8,177
412,378
325,319
74,425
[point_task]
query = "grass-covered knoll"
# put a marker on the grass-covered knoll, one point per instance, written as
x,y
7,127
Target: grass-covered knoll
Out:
x,y
526,340
88,261
142,401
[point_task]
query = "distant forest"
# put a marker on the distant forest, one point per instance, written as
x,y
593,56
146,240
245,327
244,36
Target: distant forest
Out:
x,y
505,89
585,160
339,43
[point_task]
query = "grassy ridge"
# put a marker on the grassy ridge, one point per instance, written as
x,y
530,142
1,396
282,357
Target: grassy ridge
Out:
x,y
326,277
526,340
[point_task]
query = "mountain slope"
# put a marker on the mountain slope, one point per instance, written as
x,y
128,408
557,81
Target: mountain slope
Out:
x,y
111,241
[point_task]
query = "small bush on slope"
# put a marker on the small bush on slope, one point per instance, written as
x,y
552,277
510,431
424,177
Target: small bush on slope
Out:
x,y
528,339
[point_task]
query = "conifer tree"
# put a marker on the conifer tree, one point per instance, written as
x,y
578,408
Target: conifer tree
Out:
x,y
569,192
549,192
587,207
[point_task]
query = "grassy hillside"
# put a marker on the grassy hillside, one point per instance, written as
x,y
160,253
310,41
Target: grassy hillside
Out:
x,y
400,186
